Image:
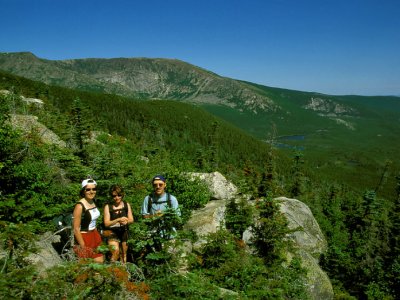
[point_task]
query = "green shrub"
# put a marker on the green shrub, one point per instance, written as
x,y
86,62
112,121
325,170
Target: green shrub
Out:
x,y
189,286
191,193
269,232
238,217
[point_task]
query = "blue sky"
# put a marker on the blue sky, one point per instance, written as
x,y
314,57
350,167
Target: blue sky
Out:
x,y
334,47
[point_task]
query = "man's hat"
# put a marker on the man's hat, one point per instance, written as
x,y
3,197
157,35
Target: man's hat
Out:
x,y
158,177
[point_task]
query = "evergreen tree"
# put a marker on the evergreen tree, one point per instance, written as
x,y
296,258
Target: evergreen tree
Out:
x,y
337,259
298,178
9,141
238,217
384,175
213,150
269,232
81,127
393,270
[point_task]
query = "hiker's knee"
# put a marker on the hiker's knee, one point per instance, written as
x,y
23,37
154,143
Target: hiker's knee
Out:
x,y
99,259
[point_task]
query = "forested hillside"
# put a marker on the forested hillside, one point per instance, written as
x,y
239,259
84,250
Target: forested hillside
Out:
x,y
127,141
349,137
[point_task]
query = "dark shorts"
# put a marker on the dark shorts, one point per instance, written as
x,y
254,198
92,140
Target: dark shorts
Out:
x,y
92,240
119,234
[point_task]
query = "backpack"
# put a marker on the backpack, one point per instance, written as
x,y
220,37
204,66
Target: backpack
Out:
x,y
150,202
65,219
63,224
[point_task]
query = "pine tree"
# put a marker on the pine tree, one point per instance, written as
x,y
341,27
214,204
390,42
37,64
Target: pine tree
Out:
x,y
213,137
270,231
7,143
297,175
80,122
238,217
394,265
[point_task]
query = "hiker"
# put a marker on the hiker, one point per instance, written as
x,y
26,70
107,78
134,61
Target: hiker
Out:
x,y
154,207
117,217
85,215
159,201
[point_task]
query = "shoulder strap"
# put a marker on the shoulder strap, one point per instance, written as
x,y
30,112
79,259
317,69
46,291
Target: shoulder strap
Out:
x,y
125,207
83,207
111,208
169,200
83,211
149,203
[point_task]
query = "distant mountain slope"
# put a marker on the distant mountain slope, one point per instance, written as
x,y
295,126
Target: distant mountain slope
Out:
x,y
249,106
175,126
340,136
142,78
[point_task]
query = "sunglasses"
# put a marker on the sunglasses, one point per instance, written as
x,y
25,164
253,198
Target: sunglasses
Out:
x,y
117,195
158,184
88,190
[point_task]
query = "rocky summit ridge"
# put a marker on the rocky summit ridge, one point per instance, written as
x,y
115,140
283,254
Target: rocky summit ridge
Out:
x,y
140,78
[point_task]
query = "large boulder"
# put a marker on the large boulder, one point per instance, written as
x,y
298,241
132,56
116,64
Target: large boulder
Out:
x,y
29,123
318,283
310,243
207,220
46,256
307,235
33,101
220,188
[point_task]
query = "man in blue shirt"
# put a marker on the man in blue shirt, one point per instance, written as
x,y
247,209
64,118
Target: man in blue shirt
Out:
x,y
162,209
159,201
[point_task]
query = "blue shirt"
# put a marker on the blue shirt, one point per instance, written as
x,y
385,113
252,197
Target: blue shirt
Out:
x,y
159,204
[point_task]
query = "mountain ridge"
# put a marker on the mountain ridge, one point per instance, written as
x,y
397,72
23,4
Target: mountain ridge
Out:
x,y
340,127
141,78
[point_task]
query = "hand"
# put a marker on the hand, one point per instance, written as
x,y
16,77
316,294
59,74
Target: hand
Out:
x,y
123,220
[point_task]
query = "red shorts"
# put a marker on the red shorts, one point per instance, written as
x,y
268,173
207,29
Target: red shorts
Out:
x,y
92,240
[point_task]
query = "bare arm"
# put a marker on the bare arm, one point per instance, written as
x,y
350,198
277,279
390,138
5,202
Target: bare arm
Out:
x,y
106,219
130,216
76,224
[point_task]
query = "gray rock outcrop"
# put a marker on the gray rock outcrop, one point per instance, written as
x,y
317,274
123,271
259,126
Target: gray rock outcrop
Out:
x,y
29,123
207,220
220,188
307,237
46,256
